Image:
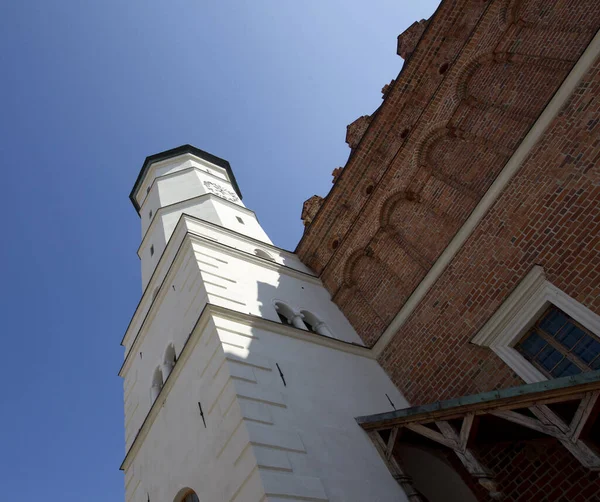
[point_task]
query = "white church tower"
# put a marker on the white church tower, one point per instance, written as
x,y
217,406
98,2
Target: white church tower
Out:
x,y
242,378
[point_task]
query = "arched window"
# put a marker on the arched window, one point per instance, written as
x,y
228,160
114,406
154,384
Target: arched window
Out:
x,y
187,495
190,497
263,254
157,384
168,361
314,324
286,314
310,320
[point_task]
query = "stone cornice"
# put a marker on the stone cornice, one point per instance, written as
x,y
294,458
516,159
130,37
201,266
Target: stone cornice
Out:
x,y
237,235
210,312
162,209
184,170
213,226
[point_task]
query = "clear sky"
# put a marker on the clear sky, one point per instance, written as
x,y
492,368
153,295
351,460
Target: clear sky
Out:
x,y
88,89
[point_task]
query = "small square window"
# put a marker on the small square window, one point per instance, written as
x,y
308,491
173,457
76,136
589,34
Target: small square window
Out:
x,y
240,220
150,214
152,250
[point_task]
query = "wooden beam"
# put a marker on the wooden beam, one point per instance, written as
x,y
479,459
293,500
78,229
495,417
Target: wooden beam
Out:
x,y
582,452
524,396
501,404
391,441
583,413
552,425
549,418
530,423
433,435
396,469
484,476
465,430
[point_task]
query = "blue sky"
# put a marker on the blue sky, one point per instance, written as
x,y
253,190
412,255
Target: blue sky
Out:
x,y
88,90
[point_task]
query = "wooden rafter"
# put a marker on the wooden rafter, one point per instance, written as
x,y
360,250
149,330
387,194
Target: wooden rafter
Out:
x,y
394,466
584,412
569,434
467,456
433,435
503,404
547,392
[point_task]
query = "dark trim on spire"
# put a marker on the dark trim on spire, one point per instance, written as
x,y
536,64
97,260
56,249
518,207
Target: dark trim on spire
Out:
x,y
176,152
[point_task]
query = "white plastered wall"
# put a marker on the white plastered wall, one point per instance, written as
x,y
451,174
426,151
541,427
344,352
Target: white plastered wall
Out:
x,y
201,229
169,321
179,451
183,185
202,274
244,283
331,457
172,166
262,438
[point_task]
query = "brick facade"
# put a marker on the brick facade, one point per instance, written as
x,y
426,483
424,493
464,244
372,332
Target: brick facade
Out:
x,y
472,88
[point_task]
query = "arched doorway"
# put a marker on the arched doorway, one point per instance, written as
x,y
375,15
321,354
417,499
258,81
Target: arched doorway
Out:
x,y
432,475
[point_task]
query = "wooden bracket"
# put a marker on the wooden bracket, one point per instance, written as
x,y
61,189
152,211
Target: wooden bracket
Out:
x,y
551,424
467,456
458,442
393,464
505,404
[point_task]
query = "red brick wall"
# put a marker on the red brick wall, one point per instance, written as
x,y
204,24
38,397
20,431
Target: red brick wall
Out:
x,y
506,59
537,471
548,215
430,153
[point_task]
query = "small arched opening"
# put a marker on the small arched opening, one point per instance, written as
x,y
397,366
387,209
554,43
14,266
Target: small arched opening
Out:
x,y
314,324
157,384
263,254
168,361
286,314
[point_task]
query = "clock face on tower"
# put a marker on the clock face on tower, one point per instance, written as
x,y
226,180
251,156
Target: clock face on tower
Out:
x,y
221,191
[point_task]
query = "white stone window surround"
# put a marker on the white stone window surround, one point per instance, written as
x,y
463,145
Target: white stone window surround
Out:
x,y
520,311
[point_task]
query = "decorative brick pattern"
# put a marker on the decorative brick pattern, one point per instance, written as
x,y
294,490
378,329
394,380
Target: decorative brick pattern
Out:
x,y
356,130
336,173
310,208
408,39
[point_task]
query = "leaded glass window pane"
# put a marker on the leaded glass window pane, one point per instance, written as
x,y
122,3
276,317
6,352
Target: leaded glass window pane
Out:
x,y
569,335
549,357
587,349
533,344
559,346
553,321
565,368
